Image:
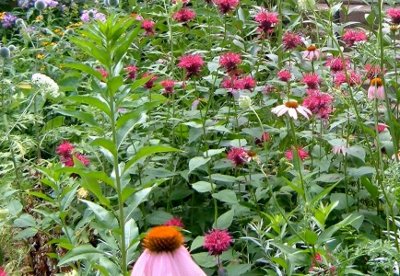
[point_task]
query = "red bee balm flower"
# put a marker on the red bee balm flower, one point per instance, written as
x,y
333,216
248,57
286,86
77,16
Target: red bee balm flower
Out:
x,y
311,80
291,41
2,272
102,72
230,61
238,156
217,241
184,15
351,37
65,149
83,159
192,64
266,21
319,104
394,14
148,25
174,222
150,83
284,75
302,154
336,64
168,86
226,6
340,78
131,69
247,82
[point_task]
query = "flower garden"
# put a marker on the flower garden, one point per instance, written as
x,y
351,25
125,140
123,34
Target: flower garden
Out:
x,y
199,137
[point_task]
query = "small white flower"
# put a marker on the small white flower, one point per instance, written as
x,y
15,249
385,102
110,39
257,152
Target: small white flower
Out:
x,y
291,108
245,102
47,84
339,150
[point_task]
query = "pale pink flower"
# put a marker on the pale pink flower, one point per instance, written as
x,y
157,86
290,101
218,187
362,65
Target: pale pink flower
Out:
x,y
376,89
302,154
291,108
340,78
311,53
339,150
165,255
382,127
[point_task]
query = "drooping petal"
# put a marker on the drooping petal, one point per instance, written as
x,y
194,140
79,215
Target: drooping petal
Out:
x,y
303,111
186,264
292,113
142,264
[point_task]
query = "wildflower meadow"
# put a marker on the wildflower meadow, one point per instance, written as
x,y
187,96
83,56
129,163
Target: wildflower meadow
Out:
x,y
199,137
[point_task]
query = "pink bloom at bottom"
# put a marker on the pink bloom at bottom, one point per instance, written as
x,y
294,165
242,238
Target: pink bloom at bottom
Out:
x,y
381,127
175,263
302,154
168,86
238,156
217,241
2,272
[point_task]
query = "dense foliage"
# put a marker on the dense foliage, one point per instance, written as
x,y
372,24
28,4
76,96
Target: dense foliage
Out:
x,y
266,131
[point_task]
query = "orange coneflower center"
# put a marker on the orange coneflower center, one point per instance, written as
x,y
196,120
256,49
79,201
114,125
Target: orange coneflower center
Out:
x,y
163,239
311,48
376,82
292,104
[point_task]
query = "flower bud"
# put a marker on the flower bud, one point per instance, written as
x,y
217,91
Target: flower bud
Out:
x,y
4,52
40,5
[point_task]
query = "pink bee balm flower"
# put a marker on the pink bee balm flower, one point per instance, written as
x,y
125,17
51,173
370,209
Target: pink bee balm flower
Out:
x,y
337,150
284,75
381,128
291,41
83,159
165,254
184,15
319,104
266,21
65,148
340,78
302,154
291,108
217,241
102,72
2,272
67,161
336,64
131,69
311,53
232,84
174,222
374,71
264,138
230,61
192,64
352,36
311,80
168,86
376,89
394,14
238,156
225,6
247,82
148,25
150,83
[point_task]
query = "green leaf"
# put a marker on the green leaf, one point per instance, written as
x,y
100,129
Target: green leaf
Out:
x,y
310,237
126,123
341,198
81,252
26,233
14,207
227,196
197,243
237,269
105,218
225,220
107,148
197,162
114,84
327,234
86,69
158,217
25,220
53,123
83,116
96,102
358,172
146,151
357,151
41,195
330,178
131,232
203,186
371,188
292,185
204,259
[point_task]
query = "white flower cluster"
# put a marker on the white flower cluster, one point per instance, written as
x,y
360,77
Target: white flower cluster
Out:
x,y
306,5
47,84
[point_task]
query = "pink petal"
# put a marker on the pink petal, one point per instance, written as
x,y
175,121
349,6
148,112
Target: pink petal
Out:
x,y
186,264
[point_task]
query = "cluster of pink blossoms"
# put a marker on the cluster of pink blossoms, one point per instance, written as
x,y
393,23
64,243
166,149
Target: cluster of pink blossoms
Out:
x,y
192,64
291,41
217,241
148,26
319,103
230,62
65,150
266,21
394,14
184,15
226,6
351,37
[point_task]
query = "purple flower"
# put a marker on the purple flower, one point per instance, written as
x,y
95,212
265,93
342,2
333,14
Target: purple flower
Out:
x,y
87,15
49,3
8,20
